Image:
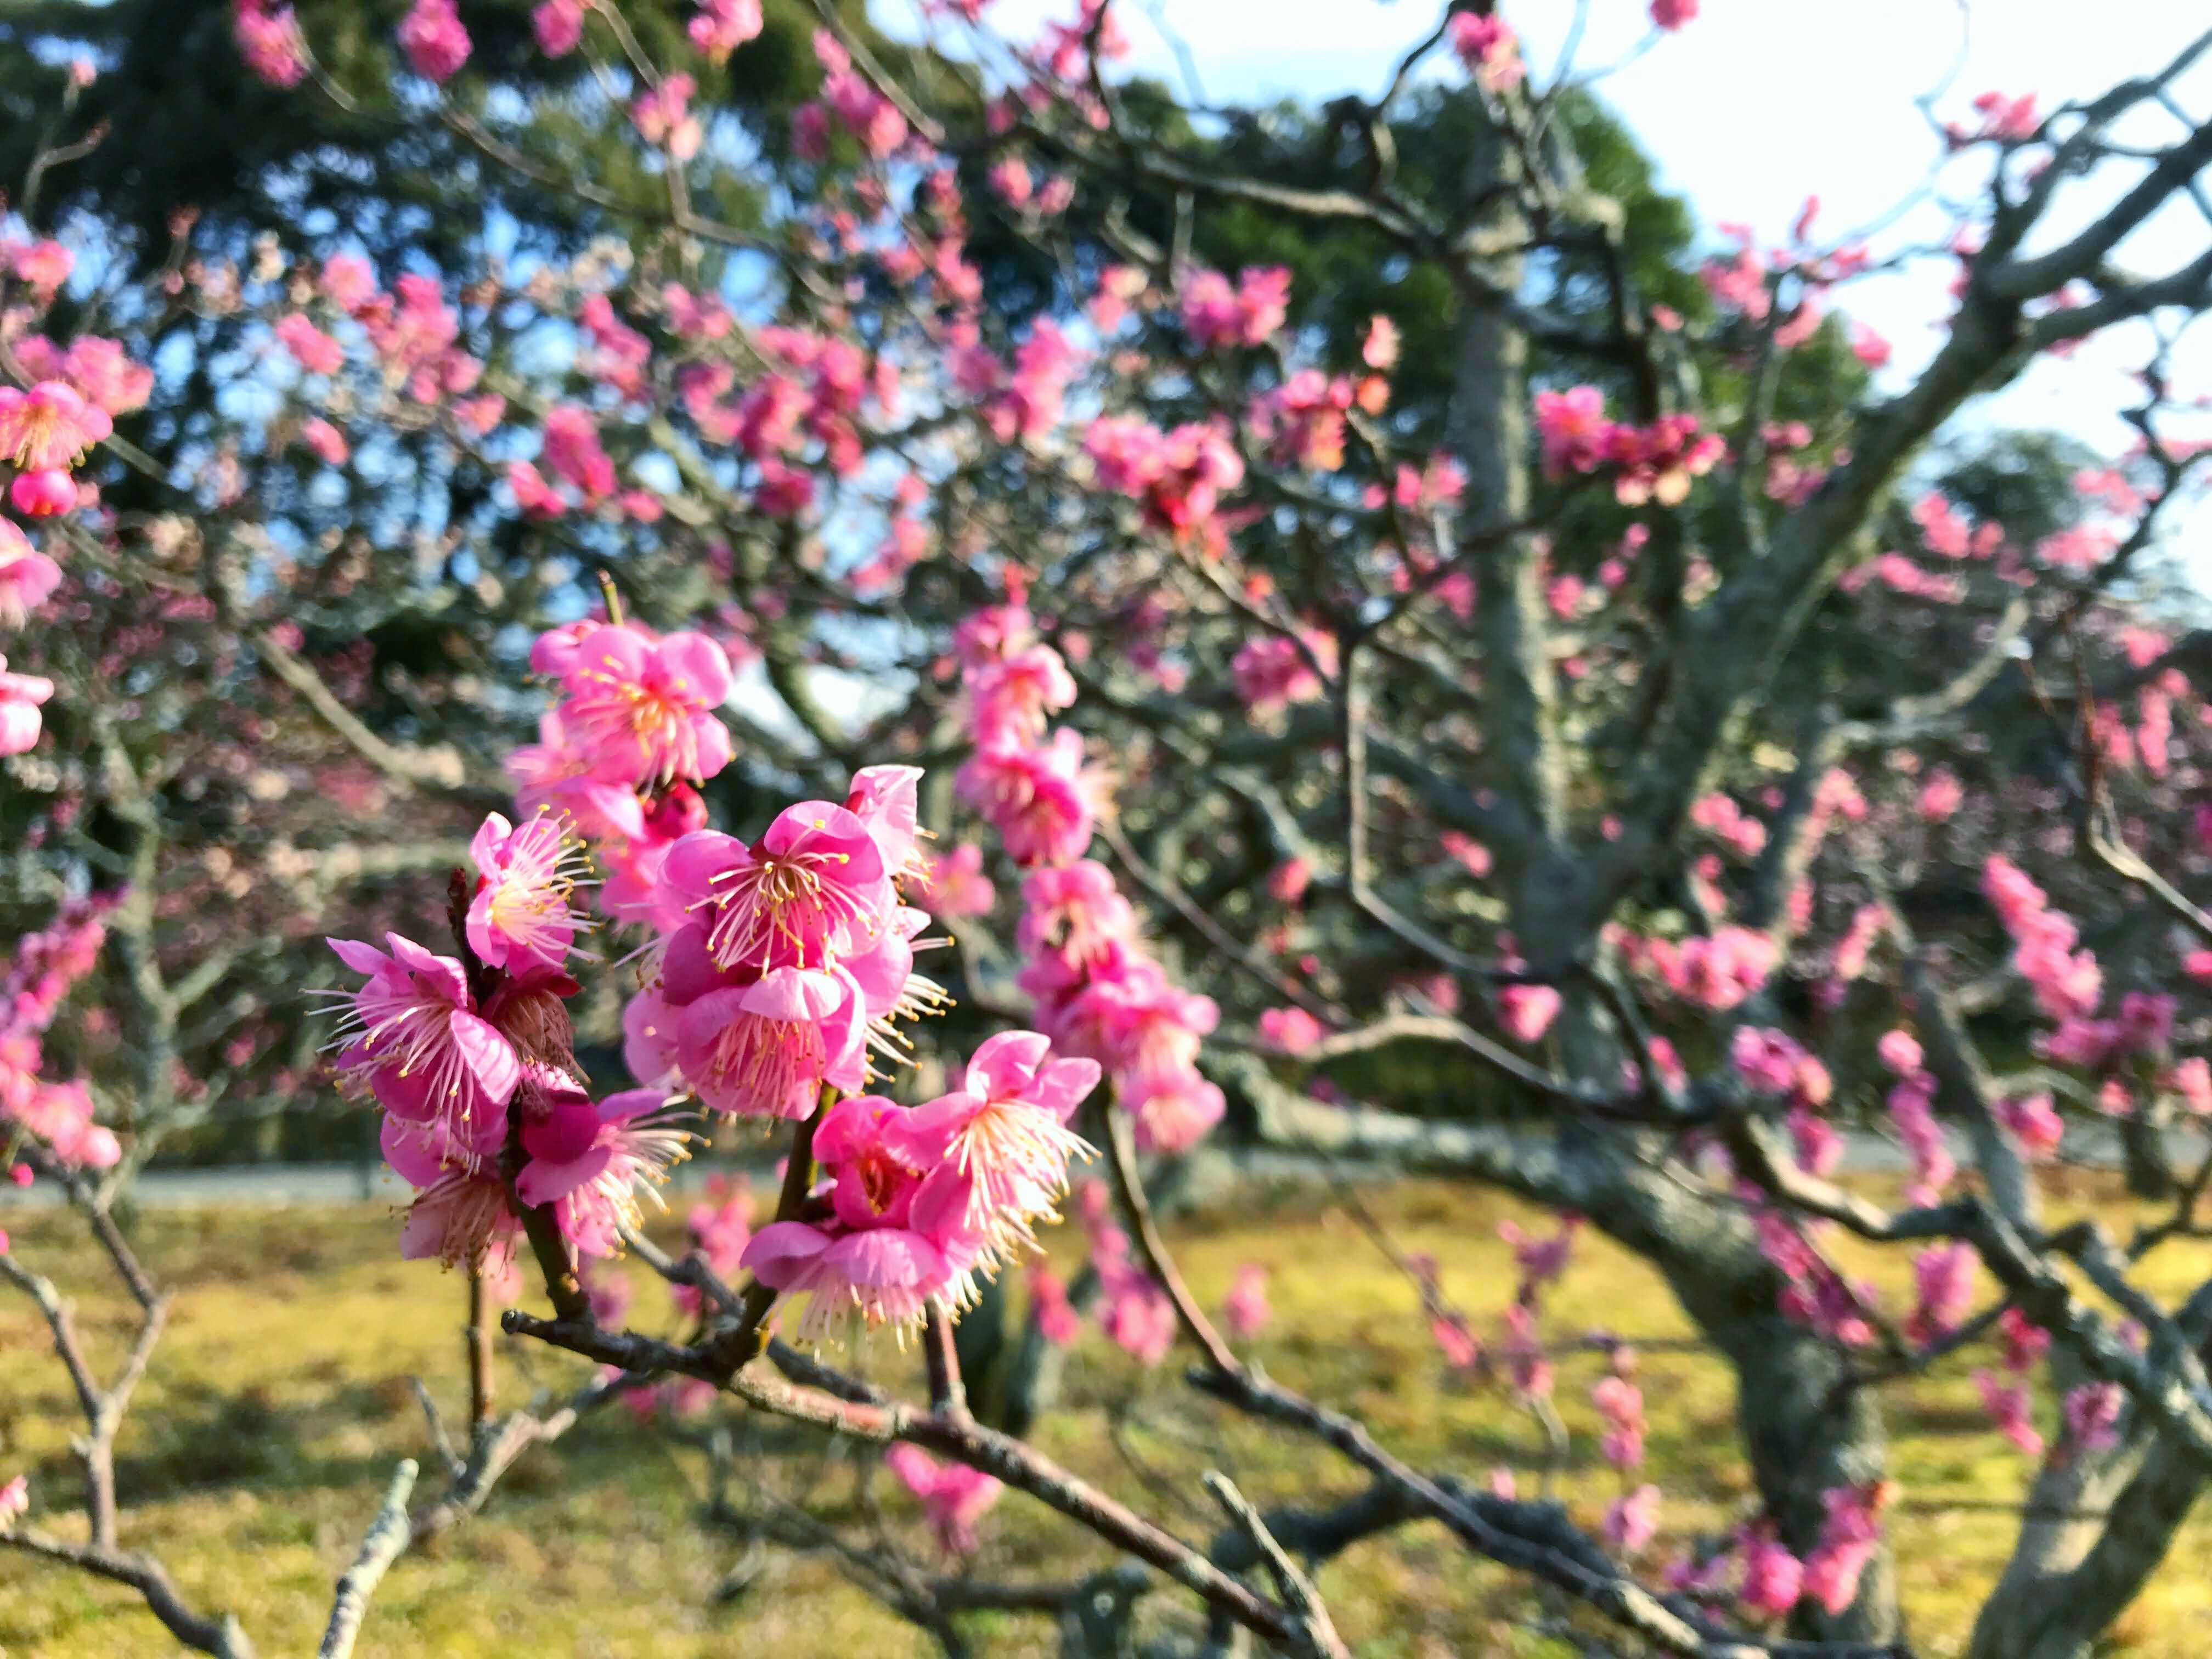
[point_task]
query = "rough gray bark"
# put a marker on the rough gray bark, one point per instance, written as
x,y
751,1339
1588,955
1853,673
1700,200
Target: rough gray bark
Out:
x,y
2054,1600
1804,1429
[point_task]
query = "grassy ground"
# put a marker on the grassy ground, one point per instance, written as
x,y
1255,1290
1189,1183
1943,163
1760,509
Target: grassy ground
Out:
x,y
280,1400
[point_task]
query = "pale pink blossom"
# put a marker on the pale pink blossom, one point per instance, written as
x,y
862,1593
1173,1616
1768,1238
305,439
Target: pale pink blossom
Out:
x,y
28,577
663,119
1291,1029
957,886
1244,1310
1043,801
50,427
19,697
953,1497
722,25
327,442
1632,1521
1173,1108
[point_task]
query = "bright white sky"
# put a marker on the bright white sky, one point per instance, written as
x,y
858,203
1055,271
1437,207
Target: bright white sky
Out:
x,y
1755,104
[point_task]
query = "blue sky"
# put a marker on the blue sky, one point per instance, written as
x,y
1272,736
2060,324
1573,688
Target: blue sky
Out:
x,y
1756,105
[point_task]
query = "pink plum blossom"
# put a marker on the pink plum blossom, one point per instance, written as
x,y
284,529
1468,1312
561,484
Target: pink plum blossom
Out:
x,y
953,1496
520,914
432,37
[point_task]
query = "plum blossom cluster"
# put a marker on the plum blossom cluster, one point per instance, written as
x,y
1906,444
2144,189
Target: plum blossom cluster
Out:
x,y
622,750
1632,1520
1911,1103
1715,972
1766,1580
1098,992
1787,287
46,965
469,1058
2007,1392
1134,1311
787,960
954,1497
922,1199
1650,462
1179,476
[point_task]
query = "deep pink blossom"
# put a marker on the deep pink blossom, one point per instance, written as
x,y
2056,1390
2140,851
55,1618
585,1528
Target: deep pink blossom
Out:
x,y
1042,800
269,43
1773,1578
1273,670
43,494
2092,1415
1008,699
592,1164
432,37
1218,315
864,1257
1527,1010
1291,1029
2011,1407
765,1049
1489,48
998,1149
558,25
417,1041
1076,911
812,890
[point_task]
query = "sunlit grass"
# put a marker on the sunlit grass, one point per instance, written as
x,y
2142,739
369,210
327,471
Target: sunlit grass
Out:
x,y
280,1400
